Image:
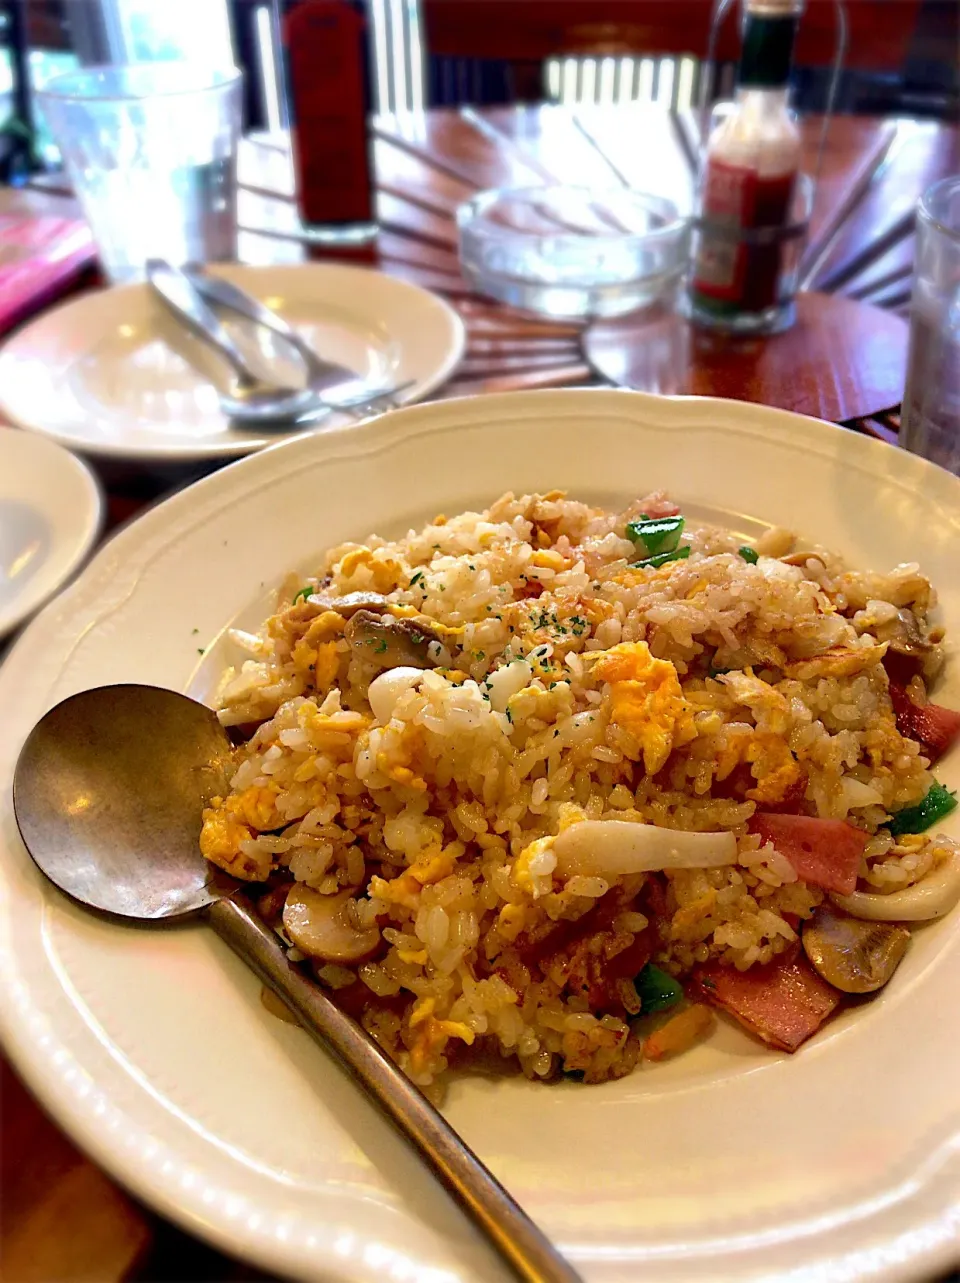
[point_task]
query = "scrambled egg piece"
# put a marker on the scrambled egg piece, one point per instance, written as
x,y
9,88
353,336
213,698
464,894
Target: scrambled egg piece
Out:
x,y
770,707
383,573
330,624
323,661
220,840
511,920
327,663
768,755
399,771
773,766
432,1034
405,889
646,703
550,559
841,661
256,806
533,867
333,733
401,610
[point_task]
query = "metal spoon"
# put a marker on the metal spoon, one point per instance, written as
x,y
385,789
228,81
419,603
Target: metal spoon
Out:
x,y
221,293
252,402
108,793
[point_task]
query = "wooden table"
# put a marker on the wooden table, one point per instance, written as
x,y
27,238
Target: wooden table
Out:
x,y
62,1219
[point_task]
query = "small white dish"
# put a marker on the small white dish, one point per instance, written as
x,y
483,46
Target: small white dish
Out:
x,y
50,514
730,1164
112,374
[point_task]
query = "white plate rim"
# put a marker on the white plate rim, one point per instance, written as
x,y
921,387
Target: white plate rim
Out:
x,y
245,275
87,490
933,1231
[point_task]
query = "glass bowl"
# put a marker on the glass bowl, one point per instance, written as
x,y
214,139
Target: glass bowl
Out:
x,y
572,251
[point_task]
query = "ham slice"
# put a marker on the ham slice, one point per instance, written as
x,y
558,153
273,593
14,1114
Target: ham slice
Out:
x,y
658,505
825,853
935,728
783,1002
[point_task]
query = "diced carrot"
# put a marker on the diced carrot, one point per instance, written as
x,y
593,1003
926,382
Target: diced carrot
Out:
x,y
680,1032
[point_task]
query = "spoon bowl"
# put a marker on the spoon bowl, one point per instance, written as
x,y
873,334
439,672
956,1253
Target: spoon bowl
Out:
x,y
108,793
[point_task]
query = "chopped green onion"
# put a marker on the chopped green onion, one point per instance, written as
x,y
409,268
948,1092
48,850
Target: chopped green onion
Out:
x,y
749,554
916,819
657,990
304,593
661,559
415,579
657,534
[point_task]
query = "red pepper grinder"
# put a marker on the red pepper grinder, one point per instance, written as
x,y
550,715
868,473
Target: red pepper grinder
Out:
x,y
748,233
328,86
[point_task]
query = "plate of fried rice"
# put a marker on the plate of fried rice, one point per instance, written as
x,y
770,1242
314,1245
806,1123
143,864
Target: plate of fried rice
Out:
x,y
597,753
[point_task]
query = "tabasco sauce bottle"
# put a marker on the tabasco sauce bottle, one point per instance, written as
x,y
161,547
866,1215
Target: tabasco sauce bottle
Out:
x,y
328,89
747,187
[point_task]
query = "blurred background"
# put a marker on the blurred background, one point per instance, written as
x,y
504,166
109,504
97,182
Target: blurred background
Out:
x,y
901,55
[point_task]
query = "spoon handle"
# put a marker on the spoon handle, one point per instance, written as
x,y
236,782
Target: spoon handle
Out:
x,y
479,1193
223,293
185,302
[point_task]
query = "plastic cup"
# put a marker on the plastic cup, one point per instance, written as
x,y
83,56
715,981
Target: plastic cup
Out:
x,y
151,151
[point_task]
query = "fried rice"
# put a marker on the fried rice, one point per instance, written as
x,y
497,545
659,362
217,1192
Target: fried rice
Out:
x,y
423,726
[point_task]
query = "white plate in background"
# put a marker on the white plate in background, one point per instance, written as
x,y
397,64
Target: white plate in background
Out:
x,y
732,1162
112,373
50,515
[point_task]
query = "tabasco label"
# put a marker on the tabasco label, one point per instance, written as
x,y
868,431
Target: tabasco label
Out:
x,y
327,74
740,275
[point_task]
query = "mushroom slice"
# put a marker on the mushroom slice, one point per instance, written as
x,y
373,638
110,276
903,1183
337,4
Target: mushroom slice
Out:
x,y
852,955
321,926
799,558
349,603
390,643
931,897
907,637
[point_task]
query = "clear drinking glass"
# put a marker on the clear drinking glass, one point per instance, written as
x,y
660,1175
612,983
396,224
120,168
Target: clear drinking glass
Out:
x,y
930,422
151,150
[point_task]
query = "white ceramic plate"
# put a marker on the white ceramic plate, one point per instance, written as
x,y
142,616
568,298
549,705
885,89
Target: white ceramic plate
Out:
x,y
152,1047
113,373
50,514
